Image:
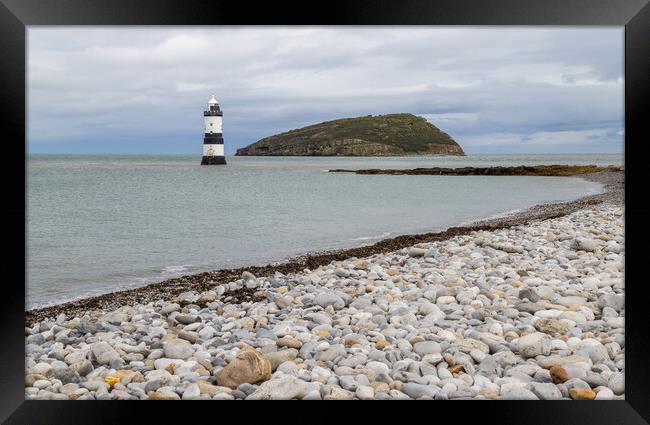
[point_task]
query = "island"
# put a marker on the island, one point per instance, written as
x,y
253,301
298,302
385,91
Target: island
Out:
x,y
379,135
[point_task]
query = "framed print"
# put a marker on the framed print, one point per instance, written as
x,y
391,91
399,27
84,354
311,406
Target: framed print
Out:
x,y
379,201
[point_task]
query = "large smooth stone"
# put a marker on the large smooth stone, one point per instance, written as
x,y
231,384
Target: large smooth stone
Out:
x,y
247,367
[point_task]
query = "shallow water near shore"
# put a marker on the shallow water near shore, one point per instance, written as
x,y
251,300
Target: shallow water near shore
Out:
x,y
99,224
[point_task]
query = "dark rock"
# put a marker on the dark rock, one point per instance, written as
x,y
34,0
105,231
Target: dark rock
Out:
x,y
37,339
530,294
83,368
58,355
528,307
85,326
239,395
152,385
66,375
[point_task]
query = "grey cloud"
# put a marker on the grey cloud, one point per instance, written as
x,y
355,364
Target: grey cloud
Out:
x,y
490,88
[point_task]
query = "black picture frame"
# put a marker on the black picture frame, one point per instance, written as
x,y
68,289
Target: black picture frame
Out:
x,y
16,15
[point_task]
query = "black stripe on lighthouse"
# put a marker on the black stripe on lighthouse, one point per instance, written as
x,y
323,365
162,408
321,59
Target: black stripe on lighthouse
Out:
x,y
213,160
213,139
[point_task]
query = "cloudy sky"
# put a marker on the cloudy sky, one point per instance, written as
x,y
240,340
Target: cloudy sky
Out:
x,y
493,89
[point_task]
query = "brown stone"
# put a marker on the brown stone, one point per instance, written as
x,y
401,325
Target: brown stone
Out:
x,y
206,298
581,394
127,376
510,335
498,292
247,367
416,339
248,322
289,342
339,394
392,272
33,377
163,395
201,371
559,375
207,388
232,314
380,345
128,328
380,387
361,265
456,369
551,326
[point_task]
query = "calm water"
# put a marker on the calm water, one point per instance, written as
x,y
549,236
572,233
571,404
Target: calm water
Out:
x,y
102,223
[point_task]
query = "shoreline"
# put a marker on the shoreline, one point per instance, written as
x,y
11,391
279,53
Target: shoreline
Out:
x,y
490,311
613,185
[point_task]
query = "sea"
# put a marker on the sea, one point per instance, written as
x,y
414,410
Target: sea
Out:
x,y
98,224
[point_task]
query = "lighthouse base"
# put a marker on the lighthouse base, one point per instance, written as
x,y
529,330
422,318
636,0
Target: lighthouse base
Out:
x,y
213,160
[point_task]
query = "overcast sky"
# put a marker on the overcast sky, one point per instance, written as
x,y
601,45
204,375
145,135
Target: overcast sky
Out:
x,y
494,90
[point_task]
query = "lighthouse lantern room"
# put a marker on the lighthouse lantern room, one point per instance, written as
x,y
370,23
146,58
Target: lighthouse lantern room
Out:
x,y
213,137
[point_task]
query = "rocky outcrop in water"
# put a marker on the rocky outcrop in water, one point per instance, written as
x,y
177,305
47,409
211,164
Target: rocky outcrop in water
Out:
x,y
381,135
536,170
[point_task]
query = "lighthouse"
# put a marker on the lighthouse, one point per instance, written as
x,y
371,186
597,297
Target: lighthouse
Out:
x,y
213,137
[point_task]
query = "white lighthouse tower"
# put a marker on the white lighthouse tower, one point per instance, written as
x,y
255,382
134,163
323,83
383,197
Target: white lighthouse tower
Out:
x,y
213,138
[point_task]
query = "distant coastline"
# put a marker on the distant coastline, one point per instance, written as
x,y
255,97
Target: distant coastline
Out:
x,y
536,170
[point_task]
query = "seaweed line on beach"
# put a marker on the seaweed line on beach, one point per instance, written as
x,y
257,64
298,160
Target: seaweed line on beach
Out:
x,y
613,183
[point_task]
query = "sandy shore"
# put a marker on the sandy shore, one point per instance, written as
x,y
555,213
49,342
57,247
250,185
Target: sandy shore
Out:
x,y
529,306
614,192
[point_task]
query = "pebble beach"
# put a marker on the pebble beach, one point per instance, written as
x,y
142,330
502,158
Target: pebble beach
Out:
x,y
534,310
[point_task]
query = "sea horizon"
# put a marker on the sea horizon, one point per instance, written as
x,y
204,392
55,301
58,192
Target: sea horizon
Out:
x,y
28,154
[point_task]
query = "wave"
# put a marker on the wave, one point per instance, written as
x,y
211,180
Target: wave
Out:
x,y
502,214
174,269
370,238
505,213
